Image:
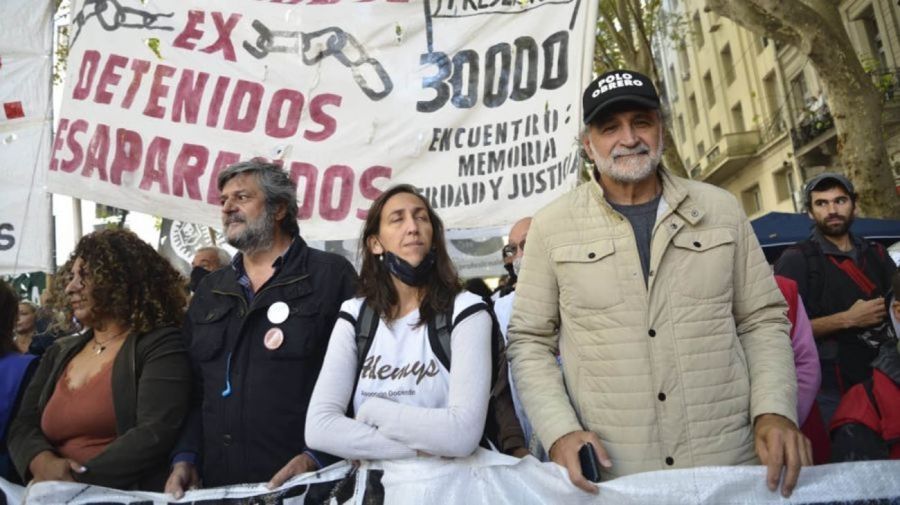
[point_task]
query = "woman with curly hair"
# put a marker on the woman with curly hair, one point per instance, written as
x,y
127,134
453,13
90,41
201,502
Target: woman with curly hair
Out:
x,y
404,400
106,404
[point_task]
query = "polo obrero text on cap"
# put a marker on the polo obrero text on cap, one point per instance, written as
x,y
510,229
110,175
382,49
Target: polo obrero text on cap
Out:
x,y
616,80
618,87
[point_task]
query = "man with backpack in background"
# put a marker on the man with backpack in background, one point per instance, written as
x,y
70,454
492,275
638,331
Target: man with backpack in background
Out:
x,y
842,280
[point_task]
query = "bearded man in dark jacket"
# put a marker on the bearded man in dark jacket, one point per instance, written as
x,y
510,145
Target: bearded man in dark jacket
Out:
x,y
257,332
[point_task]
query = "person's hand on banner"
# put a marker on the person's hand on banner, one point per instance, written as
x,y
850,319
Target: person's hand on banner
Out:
x,y
564,452
184,477
781,446
49,466
299,464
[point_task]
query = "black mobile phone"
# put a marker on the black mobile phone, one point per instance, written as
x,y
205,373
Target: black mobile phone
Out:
x,y
590,467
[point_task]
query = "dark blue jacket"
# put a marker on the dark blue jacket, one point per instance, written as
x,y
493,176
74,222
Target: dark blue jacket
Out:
x,y
248,434
15,370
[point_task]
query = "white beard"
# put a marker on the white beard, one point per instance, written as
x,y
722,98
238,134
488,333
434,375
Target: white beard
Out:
x,y
629,169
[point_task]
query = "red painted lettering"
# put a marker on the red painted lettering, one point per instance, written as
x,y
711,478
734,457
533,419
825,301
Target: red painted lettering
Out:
x,y
188,95
155,166
367,186
215,105
158,90
89,63
318,114
189,167
69,166
293,99
327,209
109,77
139,68
58,143
252,92
223,28
97,152
188,37
127,158
311,176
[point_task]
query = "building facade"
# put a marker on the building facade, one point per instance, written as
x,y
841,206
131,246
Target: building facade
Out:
x,y
749,115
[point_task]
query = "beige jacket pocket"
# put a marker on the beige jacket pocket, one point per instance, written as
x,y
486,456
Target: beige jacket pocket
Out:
x,y
586,274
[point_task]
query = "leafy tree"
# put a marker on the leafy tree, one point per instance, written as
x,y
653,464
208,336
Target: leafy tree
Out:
x,y
816,29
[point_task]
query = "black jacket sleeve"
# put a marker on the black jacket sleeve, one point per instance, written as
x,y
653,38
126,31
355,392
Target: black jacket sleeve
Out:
x,y
163,395
190,440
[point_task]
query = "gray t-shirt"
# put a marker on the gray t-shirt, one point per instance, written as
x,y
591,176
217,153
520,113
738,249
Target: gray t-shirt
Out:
x,y
642,218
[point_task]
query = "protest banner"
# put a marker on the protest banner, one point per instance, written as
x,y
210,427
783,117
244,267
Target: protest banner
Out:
x,y
490,477
25,67
477,104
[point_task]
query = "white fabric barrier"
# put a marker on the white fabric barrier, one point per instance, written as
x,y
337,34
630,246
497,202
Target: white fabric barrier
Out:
x,y
488,477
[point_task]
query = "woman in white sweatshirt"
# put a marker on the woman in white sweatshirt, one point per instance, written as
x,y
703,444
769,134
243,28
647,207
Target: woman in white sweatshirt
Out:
x,y
391,397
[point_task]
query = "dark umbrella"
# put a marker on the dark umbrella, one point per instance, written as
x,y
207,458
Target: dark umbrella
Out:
x,y
778,230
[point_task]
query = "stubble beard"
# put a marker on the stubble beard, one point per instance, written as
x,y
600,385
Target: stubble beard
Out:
x,y
834,230
257,235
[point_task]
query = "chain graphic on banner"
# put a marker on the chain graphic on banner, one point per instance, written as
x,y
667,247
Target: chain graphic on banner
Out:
x,y
112,15
338,43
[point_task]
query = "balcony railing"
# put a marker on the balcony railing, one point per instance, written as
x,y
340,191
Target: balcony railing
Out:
x,y
731,153
811,126
773,129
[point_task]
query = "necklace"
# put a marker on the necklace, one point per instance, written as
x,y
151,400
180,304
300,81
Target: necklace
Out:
x,y
99,347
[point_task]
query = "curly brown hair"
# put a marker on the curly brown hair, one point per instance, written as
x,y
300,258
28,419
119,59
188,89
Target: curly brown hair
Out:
x,y
375,283
132,283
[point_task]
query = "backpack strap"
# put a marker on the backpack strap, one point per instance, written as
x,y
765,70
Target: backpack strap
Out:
x,y
878,254
815,271
365,325
439,331
441,328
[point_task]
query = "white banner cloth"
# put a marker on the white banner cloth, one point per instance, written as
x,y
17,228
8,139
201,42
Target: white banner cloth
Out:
x,y
26,30
477,104
489,477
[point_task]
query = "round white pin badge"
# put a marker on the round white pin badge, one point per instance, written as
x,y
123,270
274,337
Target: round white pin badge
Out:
x,y
278,312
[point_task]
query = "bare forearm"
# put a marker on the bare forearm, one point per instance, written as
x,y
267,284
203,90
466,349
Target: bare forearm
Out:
x,y
826,325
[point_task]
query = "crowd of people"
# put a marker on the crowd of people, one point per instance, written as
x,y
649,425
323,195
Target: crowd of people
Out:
x,y
640,326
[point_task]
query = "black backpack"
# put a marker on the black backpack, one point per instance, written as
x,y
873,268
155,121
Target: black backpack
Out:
x,y
815,268
439,331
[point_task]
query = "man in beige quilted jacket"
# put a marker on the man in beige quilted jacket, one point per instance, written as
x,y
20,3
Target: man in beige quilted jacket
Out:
x,y
654,291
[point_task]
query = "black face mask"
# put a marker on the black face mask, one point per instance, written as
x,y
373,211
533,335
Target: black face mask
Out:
x,y
197,275
408,274
512,273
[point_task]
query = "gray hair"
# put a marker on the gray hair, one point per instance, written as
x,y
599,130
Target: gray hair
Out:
x,y
275,184
221,254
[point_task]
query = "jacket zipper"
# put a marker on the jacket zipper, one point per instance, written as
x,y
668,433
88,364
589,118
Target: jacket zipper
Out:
x,y
226,392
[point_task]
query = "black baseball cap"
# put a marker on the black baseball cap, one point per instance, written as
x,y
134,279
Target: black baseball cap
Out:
x,y
828,176
618,87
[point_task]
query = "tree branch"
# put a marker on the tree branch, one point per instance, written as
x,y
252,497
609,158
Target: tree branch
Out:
x,y
751,16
